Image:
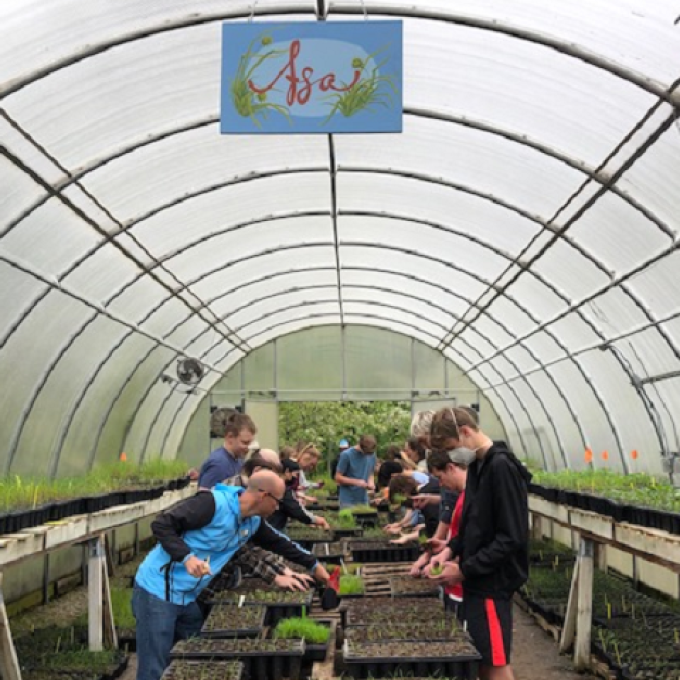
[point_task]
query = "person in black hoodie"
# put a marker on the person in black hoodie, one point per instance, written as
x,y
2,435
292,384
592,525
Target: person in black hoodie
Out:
x,y
491,551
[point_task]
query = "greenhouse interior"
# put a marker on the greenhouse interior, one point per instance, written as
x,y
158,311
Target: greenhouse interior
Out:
x,y
339,339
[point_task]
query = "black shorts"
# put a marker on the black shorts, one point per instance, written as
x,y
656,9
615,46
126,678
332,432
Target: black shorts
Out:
x,y
489,622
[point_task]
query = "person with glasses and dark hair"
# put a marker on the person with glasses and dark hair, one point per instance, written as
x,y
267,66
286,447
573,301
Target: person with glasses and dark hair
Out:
x,y
491,551
289,507
197,538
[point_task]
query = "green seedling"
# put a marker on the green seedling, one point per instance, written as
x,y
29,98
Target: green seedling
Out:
x,y
437,570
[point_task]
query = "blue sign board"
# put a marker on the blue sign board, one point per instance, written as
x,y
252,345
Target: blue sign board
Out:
x,y
311,77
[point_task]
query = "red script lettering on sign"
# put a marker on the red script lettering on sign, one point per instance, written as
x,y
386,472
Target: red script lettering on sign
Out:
x,y
297,93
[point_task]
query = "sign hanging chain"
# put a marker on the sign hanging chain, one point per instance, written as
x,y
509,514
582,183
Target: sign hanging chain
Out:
x,y
252,11
363,6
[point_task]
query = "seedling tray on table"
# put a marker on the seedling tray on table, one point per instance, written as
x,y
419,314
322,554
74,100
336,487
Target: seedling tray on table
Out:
x,y
375,611
377,551
205,670
364,660
230,621
262,659
406,586
329,552
281,604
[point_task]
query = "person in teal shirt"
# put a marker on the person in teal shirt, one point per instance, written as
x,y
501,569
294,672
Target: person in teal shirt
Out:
x,y
355,472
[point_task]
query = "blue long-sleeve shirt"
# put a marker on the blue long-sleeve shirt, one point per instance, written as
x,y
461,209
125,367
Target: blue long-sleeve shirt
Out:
x,y
219,465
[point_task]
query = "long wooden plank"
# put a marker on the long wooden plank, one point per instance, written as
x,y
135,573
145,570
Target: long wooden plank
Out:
x,y
9,663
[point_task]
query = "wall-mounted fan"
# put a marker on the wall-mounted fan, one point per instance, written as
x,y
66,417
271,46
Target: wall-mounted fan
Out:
x,y
189,371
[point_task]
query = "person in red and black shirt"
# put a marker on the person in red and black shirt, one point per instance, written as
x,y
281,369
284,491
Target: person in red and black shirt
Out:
x,y
491,551
450,468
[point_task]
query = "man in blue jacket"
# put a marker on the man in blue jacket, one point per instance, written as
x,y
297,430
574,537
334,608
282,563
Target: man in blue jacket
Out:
x,y
197,537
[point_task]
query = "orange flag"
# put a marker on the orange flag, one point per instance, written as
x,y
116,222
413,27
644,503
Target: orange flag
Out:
x,y
634,454
588,456
123,457
605,455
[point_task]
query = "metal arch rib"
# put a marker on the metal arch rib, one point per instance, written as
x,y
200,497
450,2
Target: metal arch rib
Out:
x,y
569,49
564,47
424,113
516,210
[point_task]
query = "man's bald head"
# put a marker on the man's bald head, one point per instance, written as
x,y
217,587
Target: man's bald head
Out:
x,y
271,457
266,480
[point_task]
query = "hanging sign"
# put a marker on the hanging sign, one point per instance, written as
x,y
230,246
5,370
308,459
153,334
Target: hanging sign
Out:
x,y
311,77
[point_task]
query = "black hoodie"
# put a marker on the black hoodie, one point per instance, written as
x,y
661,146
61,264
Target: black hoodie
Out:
x,y
493,540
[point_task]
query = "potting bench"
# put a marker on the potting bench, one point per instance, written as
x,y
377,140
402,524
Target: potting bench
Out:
x,y
89,529
657,547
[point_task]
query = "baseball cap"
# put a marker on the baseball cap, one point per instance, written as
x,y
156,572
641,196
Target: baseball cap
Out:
x,y
461,456
344,444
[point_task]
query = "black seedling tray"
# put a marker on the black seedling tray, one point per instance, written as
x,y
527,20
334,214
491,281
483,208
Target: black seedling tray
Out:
x,y
349,533
233,670
459,667
257,665
235,632
408,552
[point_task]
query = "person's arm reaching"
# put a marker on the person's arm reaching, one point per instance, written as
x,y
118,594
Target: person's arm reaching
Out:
x,y
193,513
270,539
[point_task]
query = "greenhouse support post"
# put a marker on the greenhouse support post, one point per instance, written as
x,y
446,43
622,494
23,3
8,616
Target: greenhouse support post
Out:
x,y
578,618
95,585
9,664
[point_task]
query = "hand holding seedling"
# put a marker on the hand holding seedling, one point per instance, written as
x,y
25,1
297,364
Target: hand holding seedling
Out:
x,y
450,574
196,567
437,561
321,523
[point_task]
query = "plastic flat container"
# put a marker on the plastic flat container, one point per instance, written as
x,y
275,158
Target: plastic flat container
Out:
x,y
257,665
209,629
459,667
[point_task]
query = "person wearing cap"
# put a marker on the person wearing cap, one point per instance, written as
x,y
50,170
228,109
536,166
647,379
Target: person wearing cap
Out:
x,y
355,472
289,507
491,551
197,537
343,445
227,460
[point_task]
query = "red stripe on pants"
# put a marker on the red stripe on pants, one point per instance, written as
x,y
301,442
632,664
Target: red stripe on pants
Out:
x,y
495,635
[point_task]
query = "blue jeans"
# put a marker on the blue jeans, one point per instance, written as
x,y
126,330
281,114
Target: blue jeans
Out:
x,y
159,625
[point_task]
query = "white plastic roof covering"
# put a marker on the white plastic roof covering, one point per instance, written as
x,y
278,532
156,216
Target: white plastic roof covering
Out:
x,y
525,223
